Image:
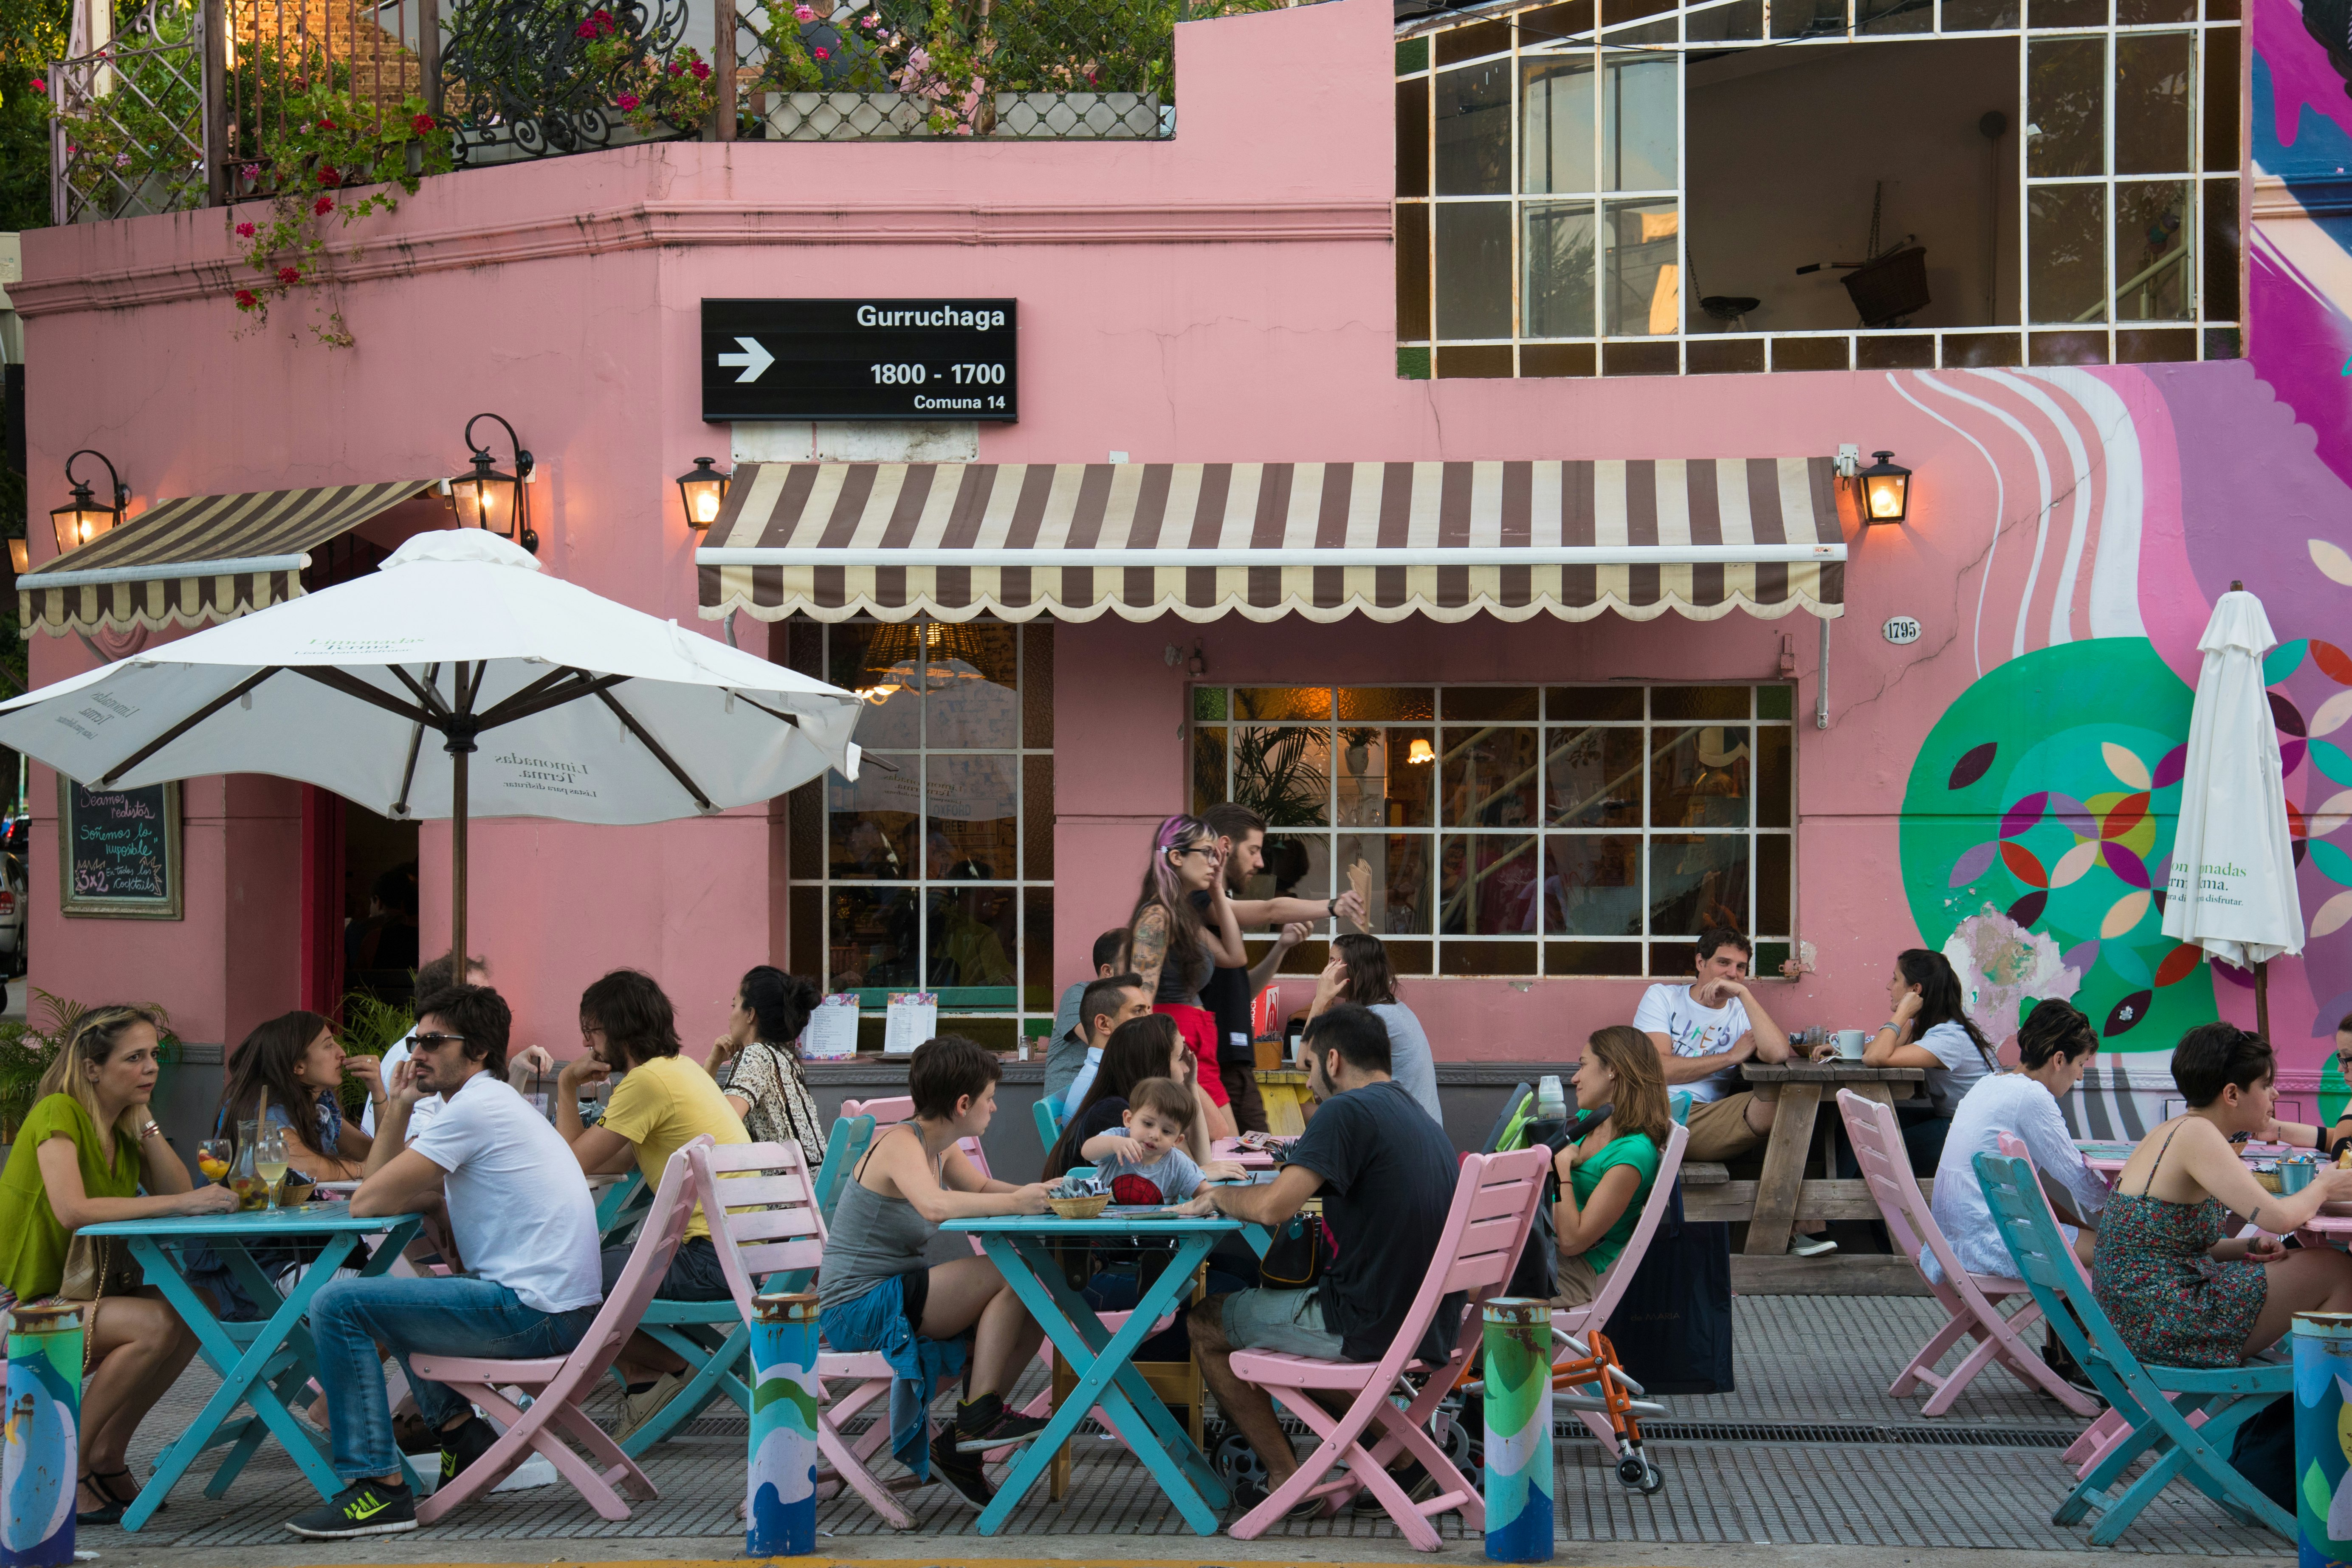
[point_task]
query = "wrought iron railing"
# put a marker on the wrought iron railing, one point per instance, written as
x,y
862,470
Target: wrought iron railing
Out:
x,y
190,105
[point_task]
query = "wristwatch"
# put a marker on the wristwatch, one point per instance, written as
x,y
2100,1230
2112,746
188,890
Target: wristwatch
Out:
x,y
1332,907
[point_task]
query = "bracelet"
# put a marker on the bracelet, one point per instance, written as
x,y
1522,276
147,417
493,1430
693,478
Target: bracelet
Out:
x,y
152,1130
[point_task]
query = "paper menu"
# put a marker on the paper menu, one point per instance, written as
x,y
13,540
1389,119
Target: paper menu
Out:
x,y
913,1017
832,1032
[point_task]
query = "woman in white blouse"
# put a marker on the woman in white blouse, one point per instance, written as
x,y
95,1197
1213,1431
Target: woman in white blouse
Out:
x,y
2054,1046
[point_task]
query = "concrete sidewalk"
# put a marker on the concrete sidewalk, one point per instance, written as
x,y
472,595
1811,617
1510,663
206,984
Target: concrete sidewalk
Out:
x,y
1810,1461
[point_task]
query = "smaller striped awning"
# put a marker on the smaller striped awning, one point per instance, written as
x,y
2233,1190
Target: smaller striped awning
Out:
x,y
198,559
1698,536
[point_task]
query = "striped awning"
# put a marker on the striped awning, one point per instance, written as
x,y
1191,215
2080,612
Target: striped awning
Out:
x,y
198,558
1701,537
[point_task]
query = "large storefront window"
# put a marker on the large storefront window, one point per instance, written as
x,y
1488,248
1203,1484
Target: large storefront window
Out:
x,y
934,871
1561,830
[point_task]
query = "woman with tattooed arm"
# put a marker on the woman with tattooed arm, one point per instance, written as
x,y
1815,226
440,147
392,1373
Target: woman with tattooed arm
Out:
x,y
1183,930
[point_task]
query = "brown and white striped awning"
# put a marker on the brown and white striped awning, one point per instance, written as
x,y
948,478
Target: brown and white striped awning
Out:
x,y
198,558
1701,537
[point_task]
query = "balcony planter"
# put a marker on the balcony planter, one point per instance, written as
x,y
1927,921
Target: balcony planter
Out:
x,y
866,116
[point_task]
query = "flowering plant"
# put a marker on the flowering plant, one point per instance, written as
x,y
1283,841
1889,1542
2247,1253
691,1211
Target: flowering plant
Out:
x,y
328,144
653,94
945,65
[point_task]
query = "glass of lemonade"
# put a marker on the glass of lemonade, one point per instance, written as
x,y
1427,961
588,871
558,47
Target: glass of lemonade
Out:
x,y
269,1162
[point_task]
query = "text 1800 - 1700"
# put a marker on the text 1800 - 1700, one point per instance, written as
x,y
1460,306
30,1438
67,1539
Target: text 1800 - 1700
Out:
x,y
860,359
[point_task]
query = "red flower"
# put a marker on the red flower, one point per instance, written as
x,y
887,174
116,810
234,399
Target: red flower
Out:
x,y
824,55
627,101
675,69
422,125
701,71
245,231
289,275
245,300
330,176
326,125
39,85
322,206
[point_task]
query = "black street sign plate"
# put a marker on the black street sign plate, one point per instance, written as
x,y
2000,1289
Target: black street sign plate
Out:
x,y
859,359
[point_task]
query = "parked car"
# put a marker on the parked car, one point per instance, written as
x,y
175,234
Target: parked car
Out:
x,y
12,917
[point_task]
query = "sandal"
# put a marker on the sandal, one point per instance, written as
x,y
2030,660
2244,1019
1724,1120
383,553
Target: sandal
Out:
x,y
111,1515
98,1480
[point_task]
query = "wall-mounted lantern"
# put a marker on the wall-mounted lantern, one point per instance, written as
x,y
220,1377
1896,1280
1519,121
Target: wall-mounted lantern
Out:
x,y
82,518
490,499
702,489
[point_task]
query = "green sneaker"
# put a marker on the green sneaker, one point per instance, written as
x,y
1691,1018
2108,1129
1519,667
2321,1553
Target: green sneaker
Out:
x,y
364,1507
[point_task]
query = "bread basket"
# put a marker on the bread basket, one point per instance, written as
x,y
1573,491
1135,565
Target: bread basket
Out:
x,y
1079,1208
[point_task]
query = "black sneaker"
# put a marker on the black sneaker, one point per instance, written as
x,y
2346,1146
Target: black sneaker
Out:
x,y
983,1424
962,1471
1419,1486
468,1442
364,1507
1248,1495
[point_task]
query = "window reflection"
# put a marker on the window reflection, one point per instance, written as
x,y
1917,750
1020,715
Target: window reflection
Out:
x,y
2155,273
1643,289
1557,252
1474,131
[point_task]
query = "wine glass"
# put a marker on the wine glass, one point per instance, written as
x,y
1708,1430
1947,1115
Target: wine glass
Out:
x,y
213,1158
269,1160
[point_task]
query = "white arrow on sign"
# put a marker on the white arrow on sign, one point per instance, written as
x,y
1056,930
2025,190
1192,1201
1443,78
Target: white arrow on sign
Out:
x,y
754,359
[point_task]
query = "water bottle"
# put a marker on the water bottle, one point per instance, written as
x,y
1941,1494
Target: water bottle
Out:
x,y
1551,1103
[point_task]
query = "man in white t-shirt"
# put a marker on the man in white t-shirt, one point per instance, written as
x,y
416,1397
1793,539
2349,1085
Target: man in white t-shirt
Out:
x,y
1704,1031
525,1229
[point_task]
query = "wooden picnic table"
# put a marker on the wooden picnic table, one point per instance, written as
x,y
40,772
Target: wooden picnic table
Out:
x,y
1781,1194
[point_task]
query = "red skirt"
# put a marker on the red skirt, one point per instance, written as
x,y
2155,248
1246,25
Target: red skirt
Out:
x,y
1198,1025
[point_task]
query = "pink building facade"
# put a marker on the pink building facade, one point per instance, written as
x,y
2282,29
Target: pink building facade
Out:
x,y
2001,787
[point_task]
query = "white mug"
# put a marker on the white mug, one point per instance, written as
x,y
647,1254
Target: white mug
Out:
x,y
1850,1043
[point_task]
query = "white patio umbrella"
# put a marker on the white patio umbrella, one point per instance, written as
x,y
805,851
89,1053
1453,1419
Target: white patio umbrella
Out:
x,y
2231,889
548,701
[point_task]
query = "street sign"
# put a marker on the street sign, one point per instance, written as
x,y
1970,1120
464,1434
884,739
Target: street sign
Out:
x,y
859,359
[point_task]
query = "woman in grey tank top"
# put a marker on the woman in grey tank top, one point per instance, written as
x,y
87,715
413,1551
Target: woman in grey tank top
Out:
x,y
875,1293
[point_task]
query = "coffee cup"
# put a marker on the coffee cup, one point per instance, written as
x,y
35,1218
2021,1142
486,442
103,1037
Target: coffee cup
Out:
x,y
1850,1043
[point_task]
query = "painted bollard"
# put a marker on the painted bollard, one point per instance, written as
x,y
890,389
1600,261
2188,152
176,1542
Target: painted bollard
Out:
x,y
38,1462
1518,1431
2323,1439
780,1515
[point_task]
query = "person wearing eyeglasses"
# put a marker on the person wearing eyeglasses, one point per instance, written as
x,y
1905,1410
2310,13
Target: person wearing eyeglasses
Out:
x,y
2302,1135
525,1228
1176,945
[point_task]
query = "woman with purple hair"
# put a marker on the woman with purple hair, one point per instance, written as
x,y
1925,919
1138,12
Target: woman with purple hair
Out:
x,y
1183,930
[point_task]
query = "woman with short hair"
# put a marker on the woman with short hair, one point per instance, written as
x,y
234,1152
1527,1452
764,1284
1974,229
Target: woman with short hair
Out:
x,y
81,1154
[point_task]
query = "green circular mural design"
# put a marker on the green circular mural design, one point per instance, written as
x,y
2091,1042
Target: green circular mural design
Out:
x,y
2037,827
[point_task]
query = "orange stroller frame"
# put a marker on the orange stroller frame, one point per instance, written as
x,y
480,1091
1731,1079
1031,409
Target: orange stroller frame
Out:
x,y
1615,1395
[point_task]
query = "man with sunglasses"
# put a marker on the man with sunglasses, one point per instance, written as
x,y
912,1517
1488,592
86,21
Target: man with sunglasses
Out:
x,y
2301,1136
525,1229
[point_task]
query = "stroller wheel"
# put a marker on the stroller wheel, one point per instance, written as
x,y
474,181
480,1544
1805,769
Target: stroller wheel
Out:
x,y
1651,1482
1237,1464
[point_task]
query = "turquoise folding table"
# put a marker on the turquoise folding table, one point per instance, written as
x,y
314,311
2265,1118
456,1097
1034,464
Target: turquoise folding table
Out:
x,y
260,1364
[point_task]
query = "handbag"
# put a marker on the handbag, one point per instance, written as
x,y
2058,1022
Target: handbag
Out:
x,y
1297,1255
95,1268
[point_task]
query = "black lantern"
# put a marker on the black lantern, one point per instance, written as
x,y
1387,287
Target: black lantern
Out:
x,y
1884,488
490,499
83,518
702,489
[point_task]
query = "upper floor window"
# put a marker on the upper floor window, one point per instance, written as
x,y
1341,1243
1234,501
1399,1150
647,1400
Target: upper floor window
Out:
x,y
1520,829
1818,185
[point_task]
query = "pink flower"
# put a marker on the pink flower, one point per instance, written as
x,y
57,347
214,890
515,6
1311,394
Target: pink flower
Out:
x,y
40,85
701,71
289,275
245,231
803,14
870,22
675,69
824,54
322,206
627,101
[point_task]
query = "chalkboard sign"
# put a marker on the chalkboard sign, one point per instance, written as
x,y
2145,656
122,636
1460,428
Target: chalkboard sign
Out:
x,y
120,851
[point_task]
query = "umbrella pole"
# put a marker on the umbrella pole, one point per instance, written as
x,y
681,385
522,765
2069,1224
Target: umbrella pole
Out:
x,y
458,855
2263,999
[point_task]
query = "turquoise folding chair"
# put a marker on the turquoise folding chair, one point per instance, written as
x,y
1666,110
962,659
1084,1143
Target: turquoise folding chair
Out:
x,y
1678,1103
717,1369
1049,1125
2157,1401
621,1208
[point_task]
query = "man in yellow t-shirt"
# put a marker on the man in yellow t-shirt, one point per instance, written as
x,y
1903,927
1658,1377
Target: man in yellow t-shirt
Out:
x,y
662,1102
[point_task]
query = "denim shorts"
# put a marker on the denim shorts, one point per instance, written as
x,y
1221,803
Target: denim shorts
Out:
x,y
1290,1321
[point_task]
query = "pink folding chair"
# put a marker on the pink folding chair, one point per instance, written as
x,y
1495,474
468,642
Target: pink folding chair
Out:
x,y
1968,1297
1495,1199
559,1385
1578,1321
781,1231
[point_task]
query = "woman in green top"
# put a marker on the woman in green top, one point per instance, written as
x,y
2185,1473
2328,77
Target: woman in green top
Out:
x,y
79,1159
1605,1176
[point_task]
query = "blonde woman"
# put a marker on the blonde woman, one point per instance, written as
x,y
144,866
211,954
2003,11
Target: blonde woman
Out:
x,y
81,1157
1606,1175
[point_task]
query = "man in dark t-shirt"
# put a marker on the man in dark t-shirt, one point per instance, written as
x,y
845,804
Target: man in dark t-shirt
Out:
x,y
1386,1174
1241,836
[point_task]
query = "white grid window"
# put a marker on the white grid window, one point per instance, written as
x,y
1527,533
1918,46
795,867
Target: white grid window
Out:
x,y
934,871
1564,830
1543,226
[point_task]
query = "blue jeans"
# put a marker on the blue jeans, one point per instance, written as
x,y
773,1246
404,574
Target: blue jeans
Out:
x,y
458,1315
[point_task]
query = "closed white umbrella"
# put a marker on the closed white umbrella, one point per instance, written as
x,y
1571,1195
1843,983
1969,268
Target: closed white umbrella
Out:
x,y
543,700
2231,889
